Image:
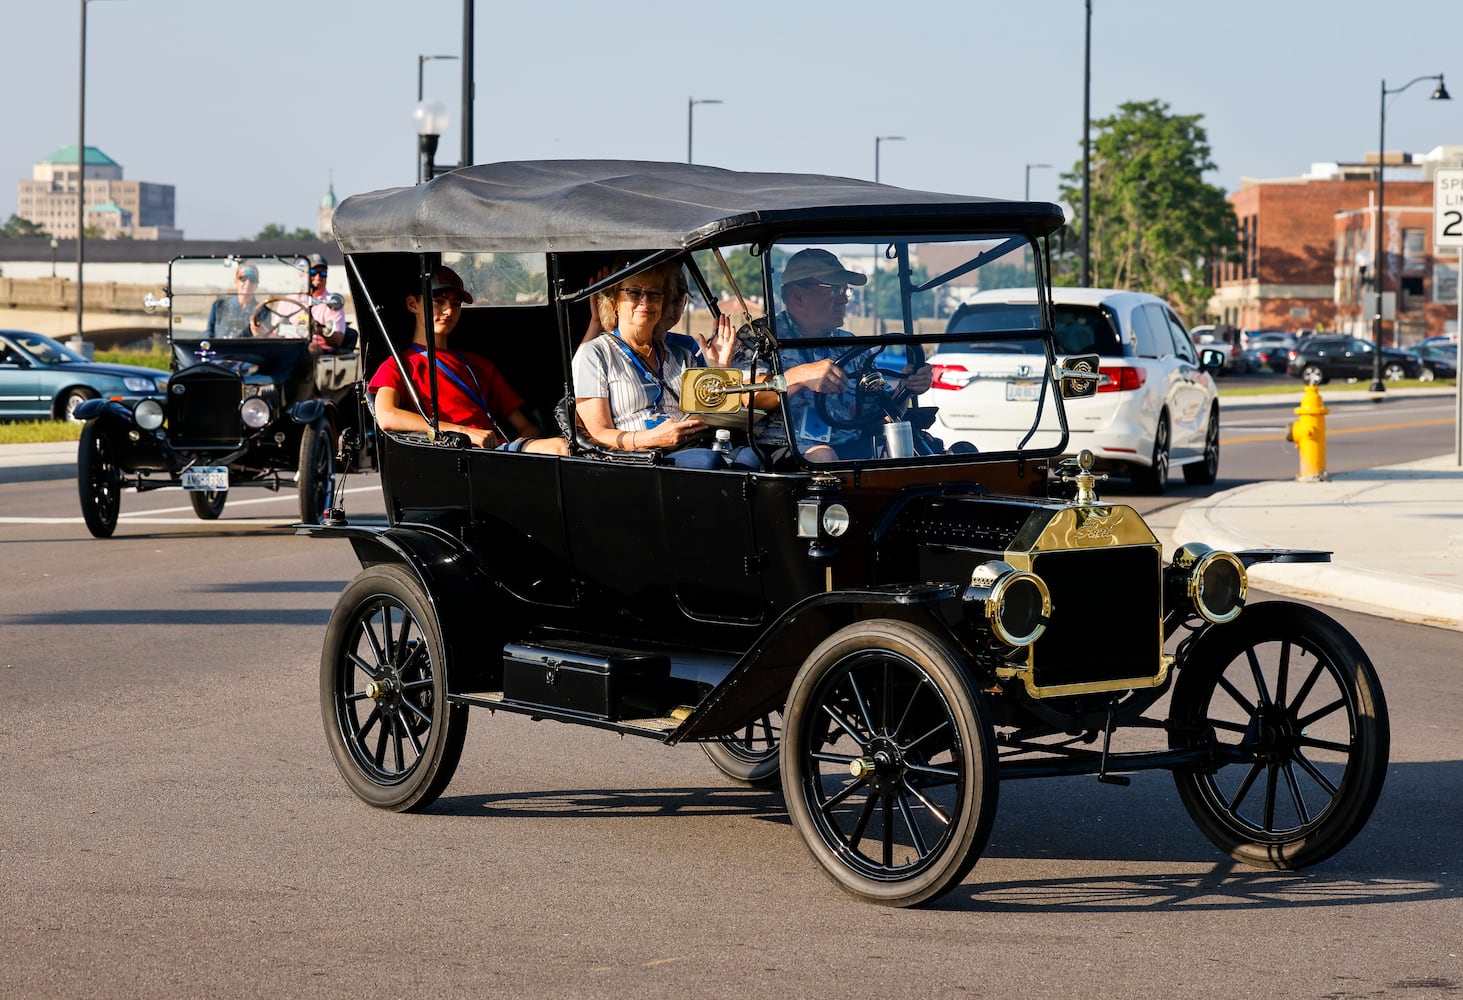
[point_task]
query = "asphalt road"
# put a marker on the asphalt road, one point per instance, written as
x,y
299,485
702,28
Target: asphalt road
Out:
x,y
171,824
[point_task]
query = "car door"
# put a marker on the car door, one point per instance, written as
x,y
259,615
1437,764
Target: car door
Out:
x,y
20,385
1187,390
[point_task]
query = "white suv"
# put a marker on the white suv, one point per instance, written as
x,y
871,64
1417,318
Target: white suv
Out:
x,y
1156,405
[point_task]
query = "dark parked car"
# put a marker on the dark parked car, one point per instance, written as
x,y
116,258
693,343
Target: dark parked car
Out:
x,y
253,403
1439,359
1271,348
1320,358
888,628
42,379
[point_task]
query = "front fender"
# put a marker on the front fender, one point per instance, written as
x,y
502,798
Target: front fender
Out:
x,y
759,682
94,408
307,411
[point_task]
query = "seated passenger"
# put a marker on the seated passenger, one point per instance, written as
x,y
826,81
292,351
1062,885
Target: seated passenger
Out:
x,y
472,397
627,382
814,299
234,315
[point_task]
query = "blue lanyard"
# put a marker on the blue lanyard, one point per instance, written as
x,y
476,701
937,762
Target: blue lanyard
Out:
x,y
656,378
473,392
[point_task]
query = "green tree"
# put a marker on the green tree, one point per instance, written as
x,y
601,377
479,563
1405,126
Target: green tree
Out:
x,y
274,231
15,227
1156,224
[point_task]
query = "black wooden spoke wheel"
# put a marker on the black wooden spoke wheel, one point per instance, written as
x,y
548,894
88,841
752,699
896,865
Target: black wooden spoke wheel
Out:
x,y
98,482
750,755
383,693
1293,714
316,472
208,504
889,763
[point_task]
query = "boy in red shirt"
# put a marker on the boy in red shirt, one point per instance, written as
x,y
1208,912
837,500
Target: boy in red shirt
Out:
x,y
473,398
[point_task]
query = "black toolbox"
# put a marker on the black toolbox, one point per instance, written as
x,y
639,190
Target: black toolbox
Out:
x,y
585,679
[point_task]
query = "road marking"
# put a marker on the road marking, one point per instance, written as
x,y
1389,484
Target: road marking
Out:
x,y
1335,431
156,516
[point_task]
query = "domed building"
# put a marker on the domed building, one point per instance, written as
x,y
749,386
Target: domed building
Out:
x,y
326,212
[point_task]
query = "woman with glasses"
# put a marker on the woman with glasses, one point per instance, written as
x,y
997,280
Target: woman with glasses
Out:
x,y
627,382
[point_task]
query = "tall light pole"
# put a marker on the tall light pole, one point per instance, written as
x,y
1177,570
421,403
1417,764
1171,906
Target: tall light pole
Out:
x,y
882,139
1379,260
1029,168
691,103
421,61
1087,152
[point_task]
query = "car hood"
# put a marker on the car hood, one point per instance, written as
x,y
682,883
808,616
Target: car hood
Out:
x,y
106,368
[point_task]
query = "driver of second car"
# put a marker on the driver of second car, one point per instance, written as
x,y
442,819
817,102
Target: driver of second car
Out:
x,y
814,299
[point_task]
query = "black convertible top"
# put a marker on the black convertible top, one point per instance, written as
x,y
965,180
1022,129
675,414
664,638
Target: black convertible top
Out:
x,y
583,205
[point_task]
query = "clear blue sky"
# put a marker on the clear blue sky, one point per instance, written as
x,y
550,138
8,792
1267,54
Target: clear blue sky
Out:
x,y
249,107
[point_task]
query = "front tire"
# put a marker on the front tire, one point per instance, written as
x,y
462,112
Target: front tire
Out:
x,y
889,762
70,400
1204,473
316,472
1313,375
1291,710
383,693
98,482
1394,371
750,755
208,504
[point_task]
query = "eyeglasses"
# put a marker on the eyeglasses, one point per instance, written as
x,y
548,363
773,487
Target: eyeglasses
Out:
x,y
319,270
636,294
250,278
837,291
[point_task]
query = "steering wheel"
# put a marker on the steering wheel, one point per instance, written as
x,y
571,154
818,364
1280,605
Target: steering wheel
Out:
x,y
877,391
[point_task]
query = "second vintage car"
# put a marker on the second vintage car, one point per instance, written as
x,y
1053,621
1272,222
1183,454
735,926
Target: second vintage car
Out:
x,y
255,398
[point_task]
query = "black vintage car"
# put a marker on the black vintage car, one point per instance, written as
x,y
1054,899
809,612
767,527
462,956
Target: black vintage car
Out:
x,y
889,632
257,397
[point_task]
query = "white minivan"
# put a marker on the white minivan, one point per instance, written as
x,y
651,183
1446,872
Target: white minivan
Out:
x,y
1156,405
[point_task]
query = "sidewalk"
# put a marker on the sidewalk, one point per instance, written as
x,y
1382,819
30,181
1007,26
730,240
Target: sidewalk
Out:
x,y
1395,533
28,463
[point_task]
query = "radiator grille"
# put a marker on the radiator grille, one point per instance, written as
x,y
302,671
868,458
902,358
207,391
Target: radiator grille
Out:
x,y
1107,606
203,409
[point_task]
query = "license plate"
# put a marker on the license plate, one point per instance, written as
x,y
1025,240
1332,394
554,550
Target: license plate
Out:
x,y
1022,391
206,477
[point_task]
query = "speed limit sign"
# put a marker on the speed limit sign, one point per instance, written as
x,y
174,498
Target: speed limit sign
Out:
x,y
1448,208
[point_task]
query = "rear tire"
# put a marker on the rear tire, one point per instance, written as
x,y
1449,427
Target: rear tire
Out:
x,y
1313,375
1153,479
208,504
1204,473
750,755
383,693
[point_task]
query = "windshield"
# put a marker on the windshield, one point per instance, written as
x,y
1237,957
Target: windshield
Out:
x,y
44,349
862,328
230,297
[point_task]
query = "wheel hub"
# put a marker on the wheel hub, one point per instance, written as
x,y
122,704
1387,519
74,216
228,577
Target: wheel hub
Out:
x,y
882,767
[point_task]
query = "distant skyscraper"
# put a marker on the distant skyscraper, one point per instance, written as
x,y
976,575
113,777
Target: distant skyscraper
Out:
x,y
114,207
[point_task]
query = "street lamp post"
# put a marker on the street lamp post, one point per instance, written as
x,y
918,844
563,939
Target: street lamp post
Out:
x,y
422,60
882,139
54,244
1379,259
430,119
691,103
1030,167
1087,153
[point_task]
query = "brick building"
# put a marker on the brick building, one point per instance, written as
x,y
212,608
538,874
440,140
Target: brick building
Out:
x,y
1297,266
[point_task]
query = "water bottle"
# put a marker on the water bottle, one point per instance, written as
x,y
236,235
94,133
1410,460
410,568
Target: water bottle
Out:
x,y
722,445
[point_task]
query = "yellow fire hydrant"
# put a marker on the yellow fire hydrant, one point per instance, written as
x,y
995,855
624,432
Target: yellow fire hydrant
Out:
x,y
1309,435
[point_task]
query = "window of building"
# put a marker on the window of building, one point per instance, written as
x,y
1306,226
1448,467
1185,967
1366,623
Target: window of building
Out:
x,y
1414,261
